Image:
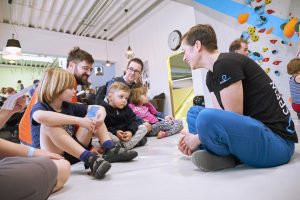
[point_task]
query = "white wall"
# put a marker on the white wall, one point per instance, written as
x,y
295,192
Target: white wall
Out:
x,y
52,43
227,29
149,42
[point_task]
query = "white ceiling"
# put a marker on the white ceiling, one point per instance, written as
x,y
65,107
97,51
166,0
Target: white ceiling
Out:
x,y
87,18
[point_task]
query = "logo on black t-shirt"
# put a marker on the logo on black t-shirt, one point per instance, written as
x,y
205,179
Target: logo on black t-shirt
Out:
x,y
224,79
281,103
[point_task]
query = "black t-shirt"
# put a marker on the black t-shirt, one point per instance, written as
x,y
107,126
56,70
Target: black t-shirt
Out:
x,y
78,110
262,100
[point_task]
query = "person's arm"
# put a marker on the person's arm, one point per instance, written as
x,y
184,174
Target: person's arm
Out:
x,y
133,124
297,78
232,97
151,108
8,148
215,101
50,118
6,114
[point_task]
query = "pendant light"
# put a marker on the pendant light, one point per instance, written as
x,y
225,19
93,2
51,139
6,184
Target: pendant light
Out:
x,y
107,62
12,50
129,53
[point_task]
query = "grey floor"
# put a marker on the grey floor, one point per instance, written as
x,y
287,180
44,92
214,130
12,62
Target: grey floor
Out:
x,y
162,172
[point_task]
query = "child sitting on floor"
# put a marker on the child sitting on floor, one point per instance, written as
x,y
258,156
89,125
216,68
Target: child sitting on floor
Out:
x,y
121,120
293,68
53,119
144,109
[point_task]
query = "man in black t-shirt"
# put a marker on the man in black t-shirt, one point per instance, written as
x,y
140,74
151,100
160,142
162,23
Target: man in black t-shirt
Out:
x,y
250,123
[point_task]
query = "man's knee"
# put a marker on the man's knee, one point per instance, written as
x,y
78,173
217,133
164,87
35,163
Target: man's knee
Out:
x,y
64,170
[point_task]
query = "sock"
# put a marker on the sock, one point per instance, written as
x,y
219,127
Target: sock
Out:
x,y
108,144
85,156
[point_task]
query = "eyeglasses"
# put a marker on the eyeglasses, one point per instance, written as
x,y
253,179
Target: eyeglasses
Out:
x,y
86,68
134,70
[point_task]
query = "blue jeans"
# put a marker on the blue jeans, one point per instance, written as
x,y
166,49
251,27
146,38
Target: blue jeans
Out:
x,y
226,133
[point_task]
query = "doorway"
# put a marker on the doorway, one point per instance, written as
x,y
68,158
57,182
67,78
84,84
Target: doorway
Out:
x,y
181,85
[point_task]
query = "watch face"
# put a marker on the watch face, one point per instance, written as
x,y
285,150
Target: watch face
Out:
x,y
174,40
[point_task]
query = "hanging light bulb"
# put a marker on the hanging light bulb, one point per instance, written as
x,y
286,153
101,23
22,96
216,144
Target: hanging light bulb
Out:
x,y
129,53
12,50
107,62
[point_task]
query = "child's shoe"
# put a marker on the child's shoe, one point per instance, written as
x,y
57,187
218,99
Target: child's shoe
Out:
x,y
119,154
162,134
98,166
142,142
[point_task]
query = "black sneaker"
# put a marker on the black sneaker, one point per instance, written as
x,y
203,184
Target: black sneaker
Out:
x,y
119,154
142,142
98,166
206,161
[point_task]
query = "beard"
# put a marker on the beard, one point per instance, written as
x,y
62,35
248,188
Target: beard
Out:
x,y
81,79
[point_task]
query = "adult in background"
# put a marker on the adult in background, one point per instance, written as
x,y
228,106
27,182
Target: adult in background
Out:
x,y
131,77
19,86
239,46
31,91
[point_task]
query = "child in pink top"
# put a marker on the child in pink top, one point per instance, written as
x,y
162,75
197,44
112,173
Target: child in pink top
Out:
x,y
140,105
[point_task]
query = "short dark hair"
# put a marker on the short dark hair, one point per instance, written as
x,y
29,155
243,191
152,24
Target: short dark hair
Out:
x,y
236,45
78,55
205,34
293,66
136,60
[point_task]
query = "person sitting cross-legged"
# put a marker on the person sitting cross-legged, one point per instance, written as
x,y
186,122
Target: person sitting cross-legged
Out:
x,y
54,119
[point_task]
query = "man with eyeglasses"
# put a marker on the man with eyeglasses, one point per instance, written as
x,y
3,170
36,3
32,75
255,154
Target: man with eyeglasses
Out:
x,y
132,74
79,63
131,77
